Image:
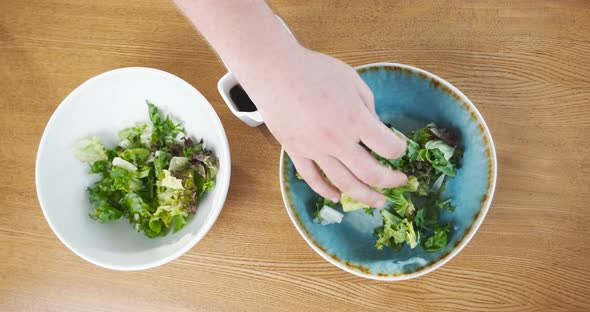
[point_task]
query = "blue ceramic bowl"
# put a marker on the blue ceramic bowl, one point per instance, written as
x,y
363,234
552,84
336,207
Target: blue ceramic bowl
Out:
x,y
408,98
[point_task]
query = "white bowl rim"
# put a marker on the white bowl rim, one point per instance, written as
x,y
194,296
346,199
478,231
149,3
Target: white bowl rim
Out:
x,y
466,238
217,205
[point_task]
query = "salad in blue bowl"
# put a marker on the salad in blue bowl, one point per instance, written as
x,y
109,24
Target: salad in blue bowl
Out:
x,y
451,167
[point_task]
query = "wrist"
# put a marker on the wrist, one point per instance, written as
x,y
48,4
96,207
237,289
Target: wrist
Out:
x,y
264,55
248,37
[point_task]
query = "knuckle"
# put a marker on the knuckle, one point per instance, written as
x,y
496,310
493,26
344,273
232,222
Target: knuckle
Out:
x,y
368,170
354,121
326,136
375,179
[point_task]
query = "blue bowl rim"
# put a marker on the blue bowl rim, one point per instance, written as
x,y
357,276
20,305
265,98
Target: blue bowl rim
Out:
x,y
478,219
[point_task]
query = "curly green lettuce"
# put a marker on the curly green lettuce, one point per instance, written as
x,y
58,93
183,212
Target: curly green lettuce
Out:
x,y
155,177
412,213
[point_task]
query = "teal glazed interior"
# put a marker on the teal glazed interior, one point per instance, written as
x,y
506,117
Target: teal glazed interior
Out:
x,y
407,98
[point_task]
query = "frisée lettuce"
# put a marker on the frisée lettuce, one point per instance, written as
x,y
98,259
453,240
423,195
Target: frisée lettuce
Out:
x,y
155,177
411,216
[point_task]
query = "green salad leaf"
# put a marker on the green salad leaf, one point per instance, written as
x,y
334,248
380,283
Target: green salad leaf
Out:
x,y
155,177
369,211
350,204
90,150
438,239
413,211
393,235
443,147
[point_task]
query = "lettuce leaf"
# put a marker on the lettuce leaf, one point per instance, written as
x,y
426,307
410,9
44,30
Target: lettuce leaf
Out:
x,y
431,160
155,176
350,204
164,131
443,147
319,204
101,167
124,180
449,136
104,213
400,203
179,223
90,150
178,163
135,155
394,235
168,181
440,163
438,239
133,136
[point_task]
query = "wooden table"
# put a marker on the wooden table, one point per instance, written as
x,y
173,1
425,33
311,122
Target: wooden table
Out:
x,y
525,64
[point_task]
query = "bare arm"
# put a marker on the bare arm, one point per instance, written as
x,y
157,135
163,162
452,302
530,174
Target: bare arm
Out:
x,y
245,34
315,105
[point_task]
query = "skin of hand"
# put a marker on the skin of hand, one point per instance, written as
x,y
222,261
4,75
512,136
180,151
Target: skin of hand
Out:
x,y
316,106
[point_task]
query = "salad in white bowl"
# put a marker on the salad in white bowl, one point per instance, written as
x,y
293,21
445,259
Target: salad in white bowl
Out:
x,y
139,197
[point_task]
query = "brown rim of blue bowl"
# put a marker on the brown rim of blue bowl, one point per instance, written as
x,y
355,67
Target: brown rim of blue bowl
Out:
x,y
486,201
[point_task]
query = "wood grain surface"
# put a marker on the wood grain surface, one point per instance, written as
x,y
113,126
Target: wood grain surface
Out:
x,y
525,64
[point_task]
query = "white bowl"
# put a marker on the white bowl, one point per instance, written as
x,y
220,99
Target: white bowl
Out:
x,y
102,106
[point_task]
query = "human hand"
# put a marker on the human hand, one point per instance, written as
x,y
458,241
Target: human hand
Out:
x,y
320,110
315,105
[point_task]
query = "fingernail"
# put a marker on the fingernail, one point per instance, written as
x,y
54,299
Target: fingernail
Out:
x,y
335,199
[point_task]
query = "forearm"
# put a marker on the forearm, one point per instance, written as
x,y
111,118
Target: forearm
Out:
x,y
245,34
305,98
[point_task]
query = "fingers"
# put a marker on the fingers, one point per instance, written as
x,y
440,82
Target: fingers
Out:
x,y
349,184
311,174
380,139
369,170
365,93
